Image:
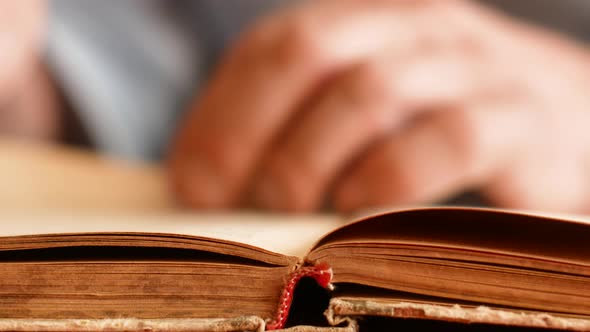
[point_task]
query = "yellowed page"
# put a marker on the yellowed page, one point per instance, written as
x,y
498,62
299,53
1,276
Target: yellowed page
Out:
x,y
365,213
291,235
52,189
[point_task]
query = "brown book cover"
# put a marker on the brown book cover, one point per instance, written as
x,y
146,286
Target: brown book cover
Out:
x,y
359,308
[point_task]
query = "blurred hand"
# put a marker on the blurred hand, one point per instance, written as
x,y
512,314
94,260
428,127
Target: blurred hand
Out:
x,y
27,102
375,103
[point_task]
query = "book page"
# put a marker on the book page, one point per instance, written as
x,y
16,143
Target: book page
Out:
x,y
485,256
504,232
65,190
291,235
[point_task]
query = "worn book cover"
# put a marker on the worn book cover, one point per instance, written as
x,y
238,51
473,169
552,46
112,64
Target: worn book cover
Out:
x,y
110,252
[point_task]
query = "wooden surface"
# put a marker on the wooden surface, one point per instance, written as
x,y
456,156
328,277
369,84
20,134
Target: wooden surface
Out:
x,y
37,177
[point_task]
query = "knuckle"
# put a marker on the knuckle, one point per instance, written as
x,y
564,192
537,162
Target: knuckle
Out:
x,y
403,183
394,181
370,83
460,128
297,181
227,157
296,42
368,90
202,177
223,155
254,43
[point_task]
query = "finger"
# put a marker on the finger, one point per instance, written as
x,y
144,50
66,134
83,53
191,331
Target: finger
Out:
x,y
445,153
21,30
32,110
360,107
264,80
552,176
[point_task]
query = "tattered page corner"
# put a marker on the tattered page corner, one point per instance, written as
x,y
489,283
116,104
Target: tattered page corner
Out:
x,y
348,323
352,327
338,324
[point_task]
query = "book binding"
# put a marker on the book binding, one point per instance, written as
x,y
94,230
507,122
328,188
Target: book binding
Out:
x,y
321,273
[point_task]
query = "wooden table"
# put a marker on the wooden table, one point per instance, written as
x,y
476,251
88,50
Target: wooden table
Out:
x,y
37,177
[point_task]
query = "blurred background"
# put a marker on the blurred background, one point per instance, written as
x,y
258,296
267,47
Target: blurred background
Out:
x,y
94,94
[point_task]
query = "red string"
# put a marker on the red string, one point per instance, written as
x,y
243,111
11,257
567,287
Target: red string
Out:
x,y
322,273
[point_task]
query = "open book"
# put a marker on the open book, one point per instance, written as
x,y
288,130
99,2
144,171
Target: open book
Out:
x,y
238,272
142,266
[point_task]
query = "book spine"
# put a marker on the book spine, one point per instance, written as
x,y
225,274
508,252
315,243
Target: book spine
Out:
x,y
321,273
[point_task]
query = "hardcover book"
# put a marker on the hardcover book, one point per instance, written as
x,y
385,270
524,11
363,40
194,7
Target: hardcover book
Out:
x,y
123,258
240,272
